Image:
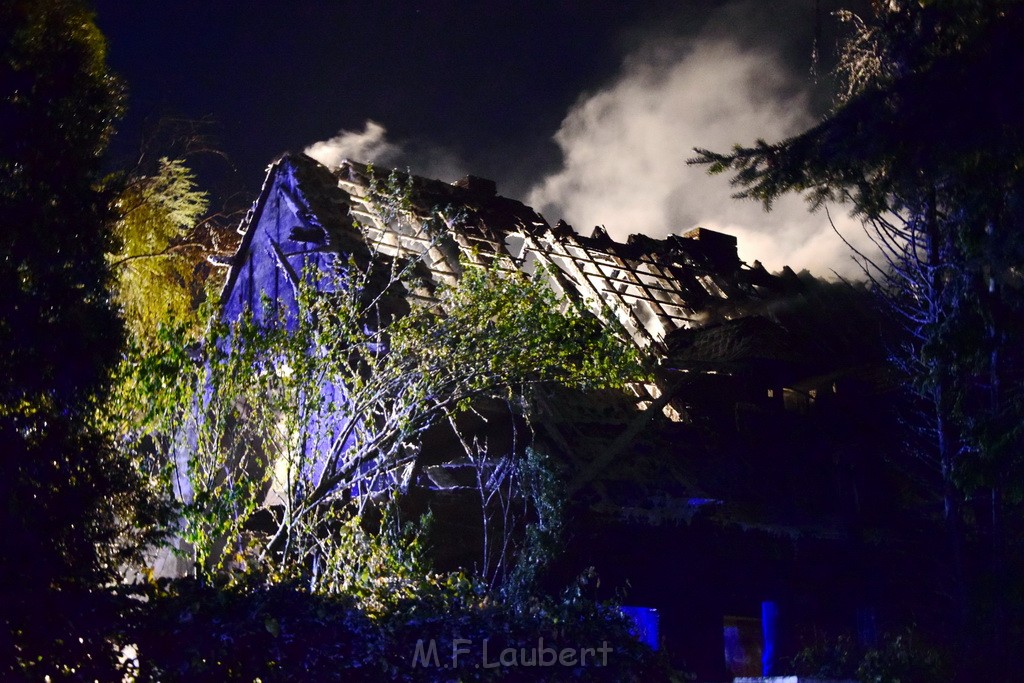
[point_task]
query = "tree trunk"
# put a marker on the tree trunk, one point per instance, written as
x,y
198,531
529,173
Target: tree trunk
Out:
x,y
947,443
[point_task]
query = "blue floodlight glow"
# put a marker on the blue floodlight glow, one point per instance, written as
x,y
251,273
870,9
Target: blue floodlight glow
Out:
x,y
769,627
645,624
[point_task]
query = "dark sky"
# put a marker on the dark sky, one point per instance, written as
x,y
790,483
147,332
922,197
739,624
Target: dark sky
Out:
x,y
482,87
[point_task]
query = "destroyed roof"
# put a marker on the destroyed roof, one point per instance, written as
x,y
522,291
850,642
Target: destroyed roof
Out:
x,y
688,298
652,286
816,328
732,343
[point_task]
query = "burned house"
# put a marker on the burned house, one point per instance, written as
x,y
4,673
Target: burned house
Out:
x,y
729,489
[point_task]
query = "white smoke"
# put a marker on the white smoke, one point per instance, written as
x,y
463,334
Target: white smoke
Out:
x,y
625,149
372,146
369,146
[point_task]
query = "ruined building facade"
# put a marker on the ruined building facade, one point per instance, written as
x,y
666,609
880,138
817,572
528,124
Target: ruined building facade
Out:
x,y
708,490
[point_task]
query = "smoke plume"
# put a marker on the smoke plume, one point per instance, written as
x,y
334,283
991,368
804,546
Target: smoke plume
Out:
x,y
625,149
369,146
372,146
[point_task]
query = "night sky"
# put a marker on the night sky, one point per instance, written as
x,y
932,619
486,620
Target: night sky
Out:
x,y
586,110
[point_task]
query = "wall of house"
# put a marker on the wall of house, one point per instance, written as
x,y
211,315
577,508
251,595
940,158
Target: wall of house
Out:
x,y
285,241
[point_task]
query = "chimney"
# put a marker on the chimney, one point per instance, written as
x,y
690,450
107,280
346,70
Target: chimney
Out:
x,y
477,185
717,246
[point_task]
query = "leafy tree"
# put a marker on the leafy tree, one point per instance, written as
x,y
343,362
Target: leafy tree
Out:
x,y
307,415
66,496
158,255
926,143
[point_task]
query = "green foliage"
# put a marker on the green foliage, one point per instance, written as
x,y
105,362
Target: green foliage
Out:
x,y
511,331
273,428
187,631
833,659
904,657
156,264
543,538
288,444
300,414
380,564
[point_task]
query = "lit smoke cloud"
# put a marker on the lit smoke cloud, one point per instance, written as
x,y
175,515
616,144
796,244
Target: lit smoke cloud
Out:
x,y
625,149
372,146
369,146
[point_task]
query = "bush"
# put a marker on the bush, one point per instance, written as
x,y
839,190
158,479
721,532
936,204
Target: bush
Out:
x,y
189,631
904,657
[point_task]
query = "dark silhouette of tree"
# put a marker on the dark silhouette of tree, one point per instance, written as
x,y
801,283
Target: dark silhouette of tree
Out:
x,y
66,497
927,144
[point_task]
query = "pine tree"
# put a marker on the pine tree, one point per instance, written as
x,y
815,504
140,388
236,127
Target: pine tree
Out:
x,y
926,143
